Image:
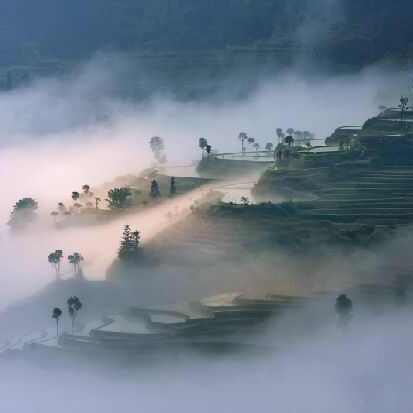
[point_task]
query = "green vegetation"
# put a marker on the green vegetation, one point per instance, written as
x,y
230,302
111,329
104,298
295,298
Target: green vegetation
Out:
x,y
75,259
130,245
74,305
55,259
57,313
119,198
24,212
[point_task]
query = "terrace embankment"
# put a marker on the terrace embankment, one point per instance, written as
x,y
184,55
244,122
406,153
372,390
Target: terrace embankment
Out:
x,y
362,194
231,247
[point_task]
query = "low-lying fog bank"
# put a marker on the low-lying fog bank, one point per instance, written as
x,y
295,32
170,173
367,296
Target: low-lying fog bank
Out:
x,y
363,369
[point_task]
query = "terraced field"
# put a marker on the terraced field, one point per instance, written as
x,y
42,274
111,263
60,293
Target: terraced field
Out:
x,y
378,196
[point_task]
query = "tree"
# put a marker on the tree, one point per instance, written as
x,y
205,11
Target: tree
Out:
x,y
75,196
290,131
243,137
129,244
157,145
86,189
256,146
97,202
23,213
75,259
55,259
86,192
403,108
155,191
119,197
208,149
74,306
280,134
172,187
57,313
269,147
289,140
245,201
203,143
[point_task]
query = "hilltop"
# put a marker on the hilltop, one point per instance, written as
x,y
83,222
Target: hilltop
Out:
x,y
201,40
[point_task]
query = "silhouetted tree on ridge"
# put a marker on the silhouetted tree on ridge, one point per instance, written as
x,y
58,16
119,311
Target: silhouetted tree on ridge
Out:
x,y
57,312
74,306
55,259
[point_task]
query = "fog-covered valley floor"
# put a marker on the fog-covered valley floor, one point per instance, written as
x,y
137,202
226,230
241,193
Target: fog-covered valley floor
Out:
x,y
363,369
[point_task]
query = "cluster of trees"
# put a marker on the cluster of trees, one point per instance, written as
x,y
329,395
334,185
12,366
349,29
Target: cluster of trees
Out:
x,y
299,137
55,259
23,213
129,249
289,137
119,198
86,196
74,305
246,139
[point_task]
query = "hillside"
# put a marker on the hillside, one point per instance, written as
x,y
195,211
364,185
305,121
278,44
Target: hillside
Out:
x,y
342,33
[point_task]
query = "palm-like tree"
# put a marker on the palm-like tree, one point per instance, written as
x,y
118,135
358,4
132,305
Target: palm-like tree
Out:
x,y
57,313
55,258
75,259
86,189
74,305
243,137
280,134
203,143
289,140
403,108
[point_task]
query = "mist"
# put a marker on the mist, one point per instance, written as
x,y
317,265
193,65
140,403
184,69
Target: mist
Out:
x,y
361,370
92,124
58,134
